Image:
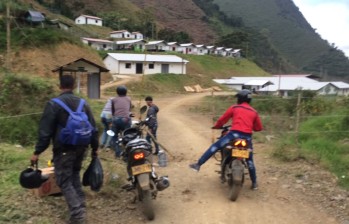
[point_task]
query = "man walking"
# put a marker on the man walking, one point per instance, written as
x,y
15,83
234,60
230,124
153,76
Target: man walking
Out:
x,y
67,158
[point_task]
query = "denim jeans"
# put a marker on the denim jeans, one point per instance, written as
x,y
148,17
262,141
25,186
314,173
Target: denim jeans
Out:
x,y
119,125
106,122
223,142
153,130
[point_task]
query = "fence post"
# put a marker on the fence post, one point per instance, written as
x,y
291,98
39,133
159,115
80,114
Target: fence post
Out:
x,y
298,108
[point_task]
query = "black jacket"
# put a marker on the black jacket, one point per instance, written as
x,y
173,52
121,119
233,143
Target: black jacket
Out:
x,y
54,118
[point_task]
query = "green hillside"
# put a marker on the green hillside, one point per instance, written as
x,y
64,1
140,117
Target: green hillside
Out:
x,y
282,22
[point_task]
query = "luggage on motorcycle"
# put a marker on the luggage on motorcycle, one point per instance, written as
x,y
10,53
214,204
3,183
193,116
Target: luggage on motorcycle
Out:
x,y
93,176
139,143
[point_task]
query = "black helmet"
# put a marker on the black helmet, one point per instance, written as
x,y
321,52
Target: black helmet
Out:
x,y
121,90
31,178
244,95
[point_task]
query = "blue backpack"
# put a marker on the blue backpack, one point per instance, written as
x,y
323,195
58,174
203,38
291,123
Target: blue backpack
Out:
x,y
78,130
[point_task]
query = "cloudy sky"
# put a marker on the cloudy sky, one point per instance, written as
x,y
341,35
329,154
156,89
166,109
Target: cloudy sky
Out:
x,y
330,18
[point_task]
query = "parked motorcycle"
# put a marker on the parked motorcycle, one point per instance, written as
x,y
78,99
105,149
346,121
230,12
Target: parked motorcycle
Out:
x,y
139,159
233,163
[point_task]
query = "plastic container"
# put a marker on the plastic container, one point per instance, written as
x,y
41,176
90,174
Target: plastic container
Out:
x,y
162,159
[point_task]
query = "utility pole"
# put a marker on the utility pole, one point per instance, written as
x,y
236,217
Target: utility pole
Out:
x,y
8,36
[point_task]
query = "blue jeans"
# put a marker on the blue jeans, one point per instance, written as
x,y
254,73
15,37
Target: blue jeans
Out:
x,y
223,142
148,138
119,125
106,122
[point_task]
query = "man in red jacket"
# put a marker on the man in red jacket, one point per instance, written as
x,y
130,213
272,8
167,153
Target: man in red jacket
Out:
x,y
245,120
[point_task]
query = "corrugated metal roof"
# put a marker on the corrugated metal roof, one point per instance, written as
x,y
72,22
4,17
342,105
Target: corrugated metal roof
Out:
x,y
91,17
147,57
119,31
36,16
187,44
129,41
97,40
340,85
172,43
155,42
258,82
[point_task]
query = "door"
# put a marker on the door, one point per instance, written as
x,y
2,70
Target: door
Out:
x,y
165,68
93,89
139,68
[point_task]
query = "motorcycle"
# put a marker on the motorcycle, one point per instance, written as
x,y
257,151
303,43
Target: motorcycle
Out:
x,y
137,153
233,163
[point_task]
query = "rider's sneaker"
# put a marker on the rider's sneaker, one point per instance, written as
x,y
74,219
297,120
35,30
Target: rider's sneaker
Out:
x,y
254,186
195,166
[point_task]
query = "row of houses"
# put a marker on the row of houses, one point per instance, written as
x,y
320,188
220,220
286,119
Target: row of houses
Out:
x,y
285,84
141,45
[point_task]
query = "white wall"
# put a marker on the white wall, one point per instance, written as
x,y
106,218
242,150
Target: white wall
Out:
x,y
116,67
87,20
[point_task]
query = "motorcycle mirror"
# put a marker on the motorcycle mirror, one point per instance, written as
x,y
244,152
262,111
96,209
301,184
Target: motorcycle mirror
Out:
x,y
143,109
110,133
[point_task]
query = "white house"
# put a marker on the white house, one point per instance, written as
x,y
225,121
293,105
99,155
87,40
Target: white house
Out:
x,y
220,51
172,46
136,45
187,48
137,35
124,34
200,49
89,20
342,88
210,49
131,64
98,44
156,45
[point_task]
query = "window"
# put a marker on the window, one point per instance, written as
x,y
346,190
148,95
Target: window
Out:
x,y
151,66
96,21
128,65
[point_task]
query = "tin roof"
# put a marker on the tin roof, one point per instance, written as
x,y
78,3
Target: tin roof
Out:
x,y
146,57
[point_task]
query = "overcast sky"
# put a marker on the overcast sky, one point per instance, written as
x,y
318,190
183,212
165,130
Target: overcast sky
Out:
x,y
330,18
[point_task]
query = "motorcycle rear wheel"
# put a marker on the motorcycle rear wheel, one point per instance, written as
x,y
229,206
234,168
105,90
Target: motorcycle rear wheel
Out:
x,y
148,208
237,180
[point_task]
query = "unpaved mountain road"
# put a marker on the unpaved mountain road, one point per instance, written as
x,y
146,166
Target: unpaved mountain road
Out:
x,y
199,197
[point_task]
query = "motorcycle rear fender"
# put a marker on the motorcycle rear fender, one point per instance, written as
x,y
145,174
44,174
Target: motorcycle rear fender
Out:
x,y
144,181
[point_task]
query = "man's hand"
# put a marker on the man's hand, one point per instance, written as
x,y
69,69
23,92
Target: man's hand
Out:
x,y
34,159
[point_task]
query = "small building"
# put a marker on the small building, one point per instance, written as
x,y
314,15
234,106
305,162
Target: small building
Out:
x,y
172,46
187,48
132,64
137,35
210,49
34,17
156,45
98,44
342,88
87,74
135,45
121,34
219,51
89,20
200,50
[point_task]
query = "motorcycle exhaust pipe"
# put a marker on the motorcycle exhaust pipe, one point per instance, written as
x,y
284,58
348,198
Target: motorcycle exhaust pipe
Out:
x,y
162,183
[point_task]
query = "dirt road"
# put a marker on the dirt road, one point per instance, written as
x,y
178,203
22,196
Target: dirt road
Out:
x,y
200,197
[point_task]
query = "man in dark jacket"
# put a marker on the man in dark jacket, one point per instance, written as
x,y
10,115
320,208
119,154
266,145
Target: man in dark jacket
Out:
x,y
67,159
245,120
152,121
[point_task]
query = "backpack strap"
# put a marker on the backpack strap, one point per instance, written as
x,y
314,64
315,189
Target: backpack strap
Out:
x,y
81,104
62,104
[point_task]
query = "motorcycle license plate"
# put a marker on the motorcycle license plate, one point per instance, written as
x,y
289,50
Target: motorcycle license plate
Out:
x,y
240,153
144,168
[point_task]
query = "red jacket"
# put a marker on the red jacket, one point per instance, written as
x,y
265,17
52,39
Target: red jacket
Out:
x,y
244,119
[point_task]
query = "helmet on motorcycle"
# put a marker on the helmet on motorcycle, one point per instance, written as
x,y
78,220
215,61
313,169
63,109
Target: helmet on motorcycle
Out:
x,y
121,90
31,178
244,95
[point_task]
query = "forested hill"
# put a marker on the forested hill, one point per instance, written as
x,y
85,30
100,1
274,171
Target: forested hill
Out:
x,y
272,33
